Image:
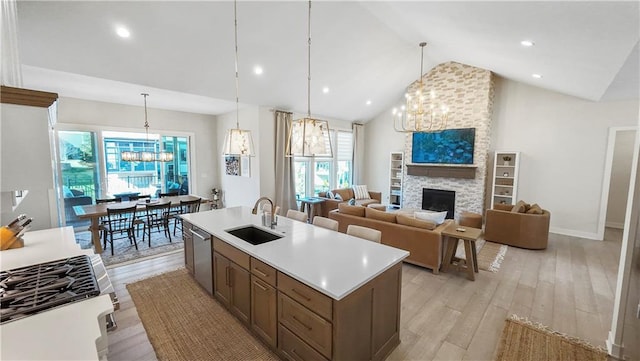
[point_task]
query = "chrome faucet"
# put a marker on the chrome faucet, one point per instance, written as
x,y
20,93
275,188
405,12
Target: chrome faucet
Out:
x,y
274,220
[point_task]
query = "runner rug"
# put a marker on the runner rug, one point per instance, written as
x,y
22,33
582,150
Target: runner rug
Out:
x,y
183,322
524,340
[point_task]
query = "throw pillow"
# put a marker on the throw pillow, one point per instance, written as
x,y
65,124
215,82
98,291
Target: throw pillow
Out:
x,y
361,192
535,209
379,215
414,222
352,210
437,217
352,202
520,207
337,196
329,195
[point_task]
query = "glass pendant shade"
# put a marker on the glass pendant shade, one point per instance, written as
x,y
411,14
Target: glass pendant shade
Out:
x,y
309,138
238,142
129,156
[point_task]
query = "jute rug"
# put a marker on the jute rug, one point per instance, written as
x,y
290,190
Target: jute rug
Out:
x,y
490,254
183,322
526,341
124,252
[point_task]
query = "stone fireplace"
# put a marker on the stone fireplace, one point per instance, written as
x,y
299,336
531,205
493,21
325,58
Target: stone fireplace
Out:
x,y
468,92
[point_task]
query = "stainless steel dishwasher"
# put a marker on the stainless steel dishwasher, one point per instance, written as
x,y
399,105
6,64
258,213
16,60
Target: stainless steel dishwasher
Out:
x,y
202,267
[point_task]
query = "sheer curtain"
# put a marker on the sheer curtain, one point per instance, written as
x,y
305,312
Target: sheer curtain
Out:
x,y
285,182
358,153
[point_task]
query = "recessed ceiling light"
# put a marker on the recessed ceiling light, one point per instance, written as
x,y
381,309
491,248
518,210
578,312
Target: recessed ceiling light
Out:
x,y
368,102
257,70
537,76
123,32
325,89
527,43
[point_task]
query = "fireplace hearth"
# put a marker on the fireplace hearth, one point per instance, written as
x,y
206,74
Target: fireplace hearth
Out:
x,y
439,200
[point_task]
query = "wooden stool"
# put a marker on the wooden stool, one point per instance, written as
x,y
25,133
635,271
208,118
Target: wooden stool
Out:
x,y
469,236
469,219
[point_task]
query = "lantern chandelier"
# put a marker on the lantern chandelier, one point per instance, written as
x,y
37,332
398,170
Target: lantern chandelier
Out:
x,y
421,112
309,137
237,142
144,155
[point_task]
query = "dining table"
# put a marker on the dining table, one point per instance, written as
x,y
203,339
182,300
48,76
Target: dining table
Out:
x,y
95,211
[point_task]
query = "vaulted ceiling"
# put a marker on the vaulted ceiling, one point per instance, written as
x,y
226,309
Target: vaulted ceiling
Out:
x,y
182,52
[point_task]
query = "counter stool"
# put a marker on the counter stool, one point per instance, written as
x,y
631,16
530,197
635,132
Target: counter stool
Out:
x,y
469,219
377,206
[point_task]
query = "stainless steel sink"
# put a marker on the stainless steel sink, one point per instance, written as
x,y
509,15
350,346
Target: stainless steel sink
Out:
x,y
253,235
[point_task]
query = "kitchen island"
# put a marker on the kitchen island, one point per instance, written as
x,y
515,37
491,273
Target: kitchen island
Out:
x,y
313,294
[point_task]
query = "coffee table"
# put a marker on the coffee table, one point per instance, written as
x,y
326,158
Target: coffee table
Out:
x,y
453,233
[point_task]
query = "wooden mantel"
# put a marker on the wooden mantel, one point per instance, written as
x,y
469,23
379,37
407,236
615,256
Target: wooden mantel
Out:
x,y
442,170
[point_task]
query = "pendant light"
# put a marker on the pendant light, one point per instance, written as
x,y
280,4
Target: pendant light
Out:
x,y
309,137
144,155
238,141
421,113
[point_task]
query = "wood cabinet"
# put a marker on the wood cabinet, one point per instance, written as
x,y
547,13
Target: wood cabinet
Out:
x,y
504,190
264,318
188,246
232,286
365,325
396,172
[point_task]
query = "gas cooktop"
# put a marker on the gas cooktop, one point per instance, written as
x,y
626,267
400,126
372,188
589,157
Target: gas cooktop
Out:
x,y
28,290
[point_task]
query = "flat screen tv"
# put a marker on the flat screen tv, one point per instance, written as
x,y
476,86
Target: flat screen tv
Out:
x,y
450,146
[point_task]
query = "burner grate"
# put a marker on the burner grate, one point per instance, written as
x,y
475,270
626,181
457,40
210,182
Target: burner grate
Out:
x,y
32,289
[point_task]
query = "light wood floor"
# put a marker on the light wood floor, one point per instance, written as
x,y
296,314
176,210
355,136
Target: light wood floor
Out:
x,y
568,287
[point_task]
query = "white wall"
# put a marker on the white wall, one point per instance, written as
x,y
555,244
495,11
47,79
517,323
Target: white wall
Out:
x,y
620,175
26,164
562,140
117,116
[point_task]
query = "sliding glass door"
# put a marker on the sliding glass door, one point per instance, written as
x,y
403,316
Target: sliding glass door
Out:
x,y
79,171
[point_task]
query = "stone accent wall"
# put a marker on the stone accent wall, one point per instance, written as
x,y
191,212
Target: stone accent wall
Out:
x,y
468,93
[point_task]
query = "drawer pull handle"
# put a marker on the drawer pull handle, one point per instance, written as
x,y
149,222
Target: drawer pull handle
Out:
x,y
293,351
260,273
300,294
257,283
302,323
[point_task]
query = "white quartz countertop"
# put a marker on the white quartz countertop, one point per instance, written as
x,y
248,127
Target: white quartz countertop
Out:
x,y
331,262
67,332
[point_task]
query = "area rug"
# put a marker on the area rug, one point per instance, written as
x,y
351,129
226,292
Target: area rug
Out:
x,y
183,322
527,341
490,255
124,252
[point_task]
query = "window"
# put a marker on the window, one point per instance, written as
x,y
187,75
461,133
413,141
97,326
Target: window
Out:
x,y
315,175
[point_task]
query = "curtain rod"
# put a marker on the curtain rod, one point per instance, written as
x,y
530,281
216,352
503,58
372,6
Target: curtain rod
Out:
x,y
281,111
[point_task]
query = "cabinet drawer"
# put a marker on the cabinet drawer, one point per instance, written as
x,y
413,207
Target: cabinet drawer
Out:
x,y
294,348
311,328
263,271
312,299
235,255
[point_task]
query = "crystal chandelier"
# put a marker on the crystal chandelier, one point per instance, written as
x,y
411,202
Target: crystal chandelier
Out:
x,y
237,141
422,113
309,137
144,155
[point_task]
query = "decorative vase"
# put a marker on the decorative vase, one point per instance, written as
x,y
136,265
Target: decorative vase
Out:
x,y
506,162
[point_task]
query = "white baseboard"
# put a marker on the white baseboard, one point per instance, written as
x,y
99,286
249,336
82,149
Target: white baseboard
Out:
x,y
614,350
617,225
574,233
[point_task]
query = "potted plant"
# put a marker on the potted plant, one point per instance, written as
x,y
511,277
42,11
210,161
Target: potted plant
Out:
x,y
506,159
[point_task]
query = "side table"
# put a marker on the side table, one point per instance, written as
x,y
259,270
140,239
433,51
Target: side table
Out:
x,y
454,233
311,205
